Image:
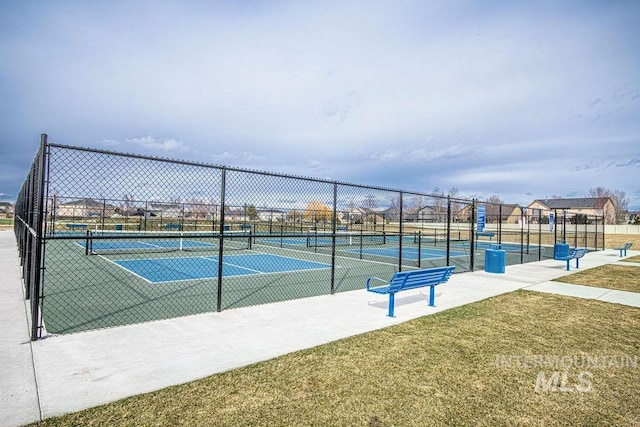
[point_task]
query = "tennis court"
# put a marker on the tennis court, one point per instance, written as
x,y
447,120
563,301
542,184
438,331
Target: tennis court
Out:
x,y
161,270
126,279
142,238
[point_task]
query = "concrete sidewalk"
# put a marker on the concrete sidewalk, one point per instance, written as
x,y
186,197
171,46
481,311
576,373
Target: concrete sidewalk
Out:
x,y
67,373
18,390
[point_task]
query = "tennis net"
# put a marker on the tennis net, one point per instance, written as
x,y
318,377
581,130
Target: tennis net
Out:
x,y
122,242
316,240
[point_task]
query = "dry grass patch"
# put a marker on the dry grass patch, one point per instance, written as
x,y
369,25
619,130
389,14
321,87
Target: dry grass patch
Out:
x,y
610,276
633,259
444,369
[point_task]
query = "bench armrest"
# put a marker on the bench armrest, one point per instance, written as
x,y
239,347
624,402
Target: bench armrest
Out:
x,y
386,282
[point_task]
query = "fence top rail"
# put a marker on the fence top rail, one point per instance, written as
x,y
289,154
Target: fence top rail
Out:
x,y
242,170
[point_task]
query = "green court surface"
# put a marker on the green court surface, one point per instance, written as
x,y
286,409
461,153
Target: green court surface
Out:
x,y
126,283
84,292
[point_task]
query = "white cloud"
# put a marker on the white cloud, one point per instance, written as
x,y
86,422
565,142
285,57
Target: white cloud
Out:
x,y
387,156
151,143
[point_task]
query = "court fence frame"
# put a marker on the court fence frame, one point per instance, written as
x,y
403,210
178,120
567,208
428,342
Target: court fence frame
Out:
x,y
74,193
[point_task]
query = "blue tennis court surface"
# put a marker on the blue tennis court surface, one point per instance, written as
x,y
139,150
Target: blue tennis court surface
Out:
x,y
407,253
159,270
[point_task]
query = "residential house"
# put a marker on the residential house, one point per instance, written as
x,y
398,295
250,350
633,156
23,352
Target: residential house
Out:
x,y
589,206
166,210
84,208
271,215
505,214
363,215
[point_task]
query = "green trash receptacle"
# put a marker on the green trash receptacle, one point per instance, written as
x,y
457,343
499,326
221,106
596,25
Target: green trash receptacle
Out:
x,y
119,227
495,260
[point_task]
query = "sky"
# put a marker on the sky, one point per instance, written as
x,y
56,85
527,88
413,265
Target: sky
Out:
x,y
516,99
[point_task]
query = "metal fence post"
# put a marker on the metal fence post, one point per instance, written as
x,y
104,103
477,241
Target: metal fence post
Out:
x,y
448,229
36,288
28,242
500,224
221,239
540,235
603,233
522,219
400,232
472,221
334,221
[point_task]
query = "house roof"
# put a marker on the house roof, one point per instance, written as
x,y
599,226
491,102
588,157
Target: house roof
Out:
x,y
510,210
583,202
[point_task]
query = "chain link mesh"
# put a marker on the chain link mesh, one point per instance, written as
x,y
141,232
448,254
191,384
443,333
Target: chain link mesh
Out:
x,y
109,239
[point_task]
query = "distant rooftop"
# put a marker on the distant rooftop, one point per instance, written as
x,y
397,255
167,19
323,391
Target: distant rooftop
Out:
x,y
582,202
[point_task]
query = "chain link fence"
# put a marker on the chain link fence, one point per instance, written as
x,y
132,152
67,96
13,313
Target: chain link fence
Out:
x,y
109,239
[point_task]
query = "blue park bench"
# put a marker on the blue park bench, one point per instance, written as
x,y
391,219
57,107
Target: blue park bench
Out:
x,y
405,280
488,234
76,226
576,254
173,226
623,248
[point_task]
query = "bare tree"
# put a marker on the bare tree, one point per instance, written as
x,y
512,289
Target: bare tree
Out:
x,y
370,202
621,203
456,206
599,192
618,197
196,208
493,209
413,205
395,209
438,205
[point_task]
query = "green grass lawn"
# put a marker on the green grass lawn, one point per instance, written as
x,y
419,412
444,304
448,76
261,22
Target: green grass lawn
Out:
x,y
611,276
449,368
